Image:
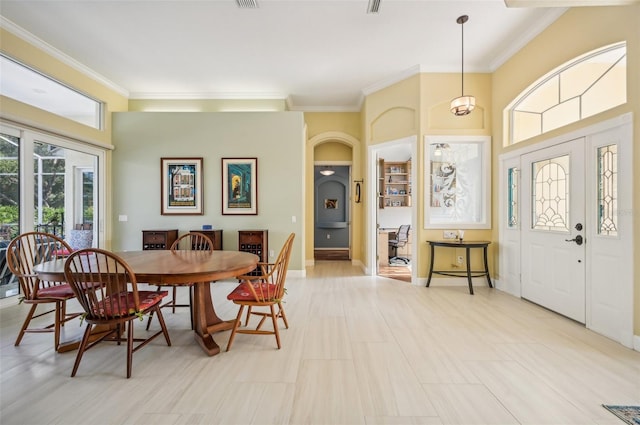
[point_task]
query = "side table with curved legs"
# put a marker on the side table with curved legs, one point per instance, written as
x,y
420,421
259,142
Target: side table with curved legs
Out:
x,y
467,245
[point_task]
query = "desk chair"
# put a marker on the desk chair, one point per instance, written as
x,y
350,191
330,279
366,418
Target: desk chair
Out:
x,y
402,237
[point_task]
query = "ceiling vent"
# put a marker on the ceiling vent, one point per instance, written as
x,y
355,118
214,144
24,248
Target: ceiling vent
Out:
x,y
374,6
247,4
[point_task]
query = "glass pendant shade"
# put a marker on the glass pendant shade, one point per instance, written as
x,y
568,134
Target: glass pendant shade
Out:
x,y
463,105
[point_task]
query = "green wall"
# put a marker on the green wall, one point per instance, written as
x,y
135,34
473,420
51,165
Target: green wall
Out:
x,y
275,138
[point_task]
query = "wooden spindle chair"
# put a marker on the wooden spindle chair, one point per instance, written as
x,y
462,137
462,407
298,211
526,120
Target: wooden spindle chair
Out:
x,y
107,289
264,290
194,241
23,253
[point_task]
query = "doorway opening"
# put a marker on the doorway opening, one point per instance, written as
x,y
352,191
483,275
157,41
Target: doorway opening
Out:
x,y
392,209
332,212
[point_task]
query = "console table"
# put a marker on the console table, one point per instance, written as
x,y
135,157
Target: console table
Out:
x,y
467,245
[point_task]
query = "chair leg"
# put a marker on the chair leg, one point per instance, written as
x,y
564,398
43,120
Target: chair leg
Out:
x,y
235,327
191,289
82,348
274,319
246,322
25,325
129,347
284,316
175,297
163,326
59,321
149,321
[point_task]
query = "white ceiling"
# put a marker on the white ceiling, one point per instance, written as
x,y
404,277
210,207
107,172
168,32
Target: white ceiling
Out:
x,y
319,55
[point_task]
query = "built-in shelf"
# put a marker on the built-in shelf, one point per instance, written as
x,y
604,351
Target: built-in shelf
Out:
x,y
394,184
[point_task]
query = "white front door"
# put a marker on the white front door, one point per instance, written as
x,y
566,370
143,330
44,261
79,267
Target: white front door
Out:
x,y
553,228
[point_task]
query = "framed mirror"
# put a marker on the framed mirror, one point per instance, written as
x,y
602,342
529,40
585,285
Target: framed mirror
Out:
x,y
457,182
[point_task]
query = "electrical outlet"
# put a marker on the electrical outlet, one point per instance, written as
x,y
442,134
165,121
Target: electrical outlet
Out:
x,y
450,234
328,236
460,259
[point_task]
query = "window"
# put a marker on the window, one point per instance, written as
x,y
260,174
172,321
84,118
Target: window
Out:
x,y
512,195
588,85
29,86
457,182
550,193
607,157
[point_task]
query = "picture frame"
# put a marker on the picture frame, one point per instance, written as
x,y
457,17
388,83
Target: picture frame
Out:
x,y
239,186
181,186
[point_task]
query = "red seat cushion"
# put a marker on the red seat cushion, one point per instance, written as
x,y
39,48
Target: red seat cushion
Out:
x,y
263,289
147,300
60,292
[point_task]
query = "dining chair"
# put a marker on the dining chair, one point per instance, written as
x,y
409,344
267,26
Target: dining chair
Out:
x,y
194,241
264,290
23,253
107,289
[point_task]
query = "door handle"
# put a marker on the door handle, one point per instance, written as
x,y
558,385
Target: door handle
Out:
x,y
579,240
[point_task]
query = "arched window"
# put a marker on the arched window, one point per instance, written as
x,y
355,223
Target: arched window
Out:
x,y
582,87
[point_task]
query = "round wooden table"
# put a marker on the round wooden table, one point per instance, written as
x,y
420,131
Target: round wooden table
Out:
x,y
164,267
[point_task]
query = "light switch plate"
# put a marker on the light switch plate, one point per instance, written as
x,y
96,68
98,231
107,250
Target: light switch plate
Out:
x,y
450,234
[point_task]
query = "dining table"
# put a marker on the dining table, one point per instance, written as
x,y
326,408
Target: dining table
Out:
x,y
166,268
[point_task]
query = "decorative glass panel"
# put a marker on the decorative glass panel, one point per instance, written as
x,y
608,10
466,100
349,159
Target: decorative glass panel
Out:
x,y
608,190
550,193
585,86
458,189
512,193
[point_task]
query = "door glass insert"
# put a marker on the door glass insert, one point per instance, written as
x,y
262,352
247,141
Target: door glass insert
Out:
x,y
607,190
512,193
550,193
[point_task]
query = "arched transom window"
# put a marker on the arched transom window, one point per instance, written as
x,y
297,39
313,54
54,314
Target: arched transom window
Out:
x,y
580,88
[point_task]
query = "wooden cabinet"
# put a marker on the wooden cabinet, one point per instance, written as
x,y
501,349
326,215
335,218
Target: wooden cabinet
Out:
x,y
215,235
158,239
255,242
394,184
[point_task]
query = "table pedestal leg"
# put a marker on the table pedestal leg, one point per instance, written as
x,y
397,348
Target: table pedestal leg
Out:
x,y
206,321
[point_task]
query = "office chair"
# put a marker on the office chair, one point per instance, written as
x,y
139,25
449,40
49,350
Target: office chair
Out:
x,y
402,237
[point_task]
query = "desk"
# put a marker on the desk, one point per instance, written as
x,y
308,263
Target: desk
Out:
x,y
167,268
467,245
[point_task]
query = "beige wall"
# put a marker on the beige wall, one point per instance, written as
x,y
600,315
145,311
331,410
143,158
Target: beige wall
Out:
x,y
419,106
578,31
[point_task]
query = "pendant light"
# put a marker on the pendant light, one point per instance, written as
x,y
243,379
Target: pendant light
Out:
x,y
327,171
464,104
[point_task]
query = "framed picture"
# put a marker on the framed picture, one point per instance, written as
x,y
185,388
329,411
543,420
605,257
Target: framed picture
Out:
x,y
181,187
239,186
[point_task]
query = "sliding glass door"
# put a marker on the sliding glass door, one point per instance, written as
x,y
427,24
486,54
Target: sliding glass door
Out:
x,y
48,184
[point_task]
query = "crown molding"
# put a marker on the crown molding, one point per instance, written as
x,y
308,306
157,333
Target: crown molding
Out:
x,y
206,96
57,54
567,3
515,45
